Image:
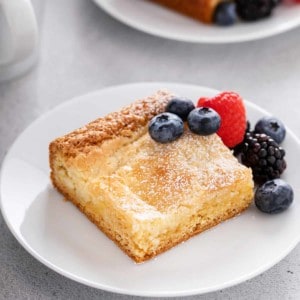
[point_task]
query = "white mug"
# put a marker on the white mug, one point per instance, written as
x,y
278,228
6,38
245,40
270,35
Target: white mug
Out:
x,y
18,37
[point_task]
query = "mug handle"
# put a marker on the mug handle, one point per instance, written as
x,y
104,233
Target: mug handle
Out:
x,y
22,26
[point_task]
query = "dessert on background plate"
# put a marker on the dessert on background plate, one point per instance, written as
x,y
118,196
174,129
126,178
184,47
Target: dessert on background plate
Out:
x,y
160,170
222,12
159,20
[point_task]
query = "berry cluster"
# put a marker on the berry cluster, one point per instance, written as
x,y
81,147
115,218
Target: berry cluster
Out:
x,y
168,126
227,12
259,149
261,152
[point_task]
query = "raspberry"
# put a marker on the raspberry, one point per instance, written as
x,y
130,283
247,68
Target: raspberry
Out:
x,y
231,108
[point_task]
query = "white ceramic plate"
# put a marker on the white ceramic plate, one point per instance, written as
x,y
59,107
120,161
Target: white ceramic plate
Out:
x,y
159,21
62,238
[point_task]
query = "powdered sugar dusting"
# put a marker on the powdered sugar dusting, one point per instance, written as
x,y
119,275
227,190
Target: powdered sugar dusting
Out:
x,y
166,175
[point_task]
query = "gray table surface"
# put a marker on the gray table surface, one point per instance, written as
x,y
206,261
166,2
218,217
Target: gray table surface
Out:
x,y
83,49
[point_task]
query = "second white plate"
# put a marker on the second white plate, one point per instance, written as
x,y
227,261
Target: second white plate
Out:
x,y
62,238
154,19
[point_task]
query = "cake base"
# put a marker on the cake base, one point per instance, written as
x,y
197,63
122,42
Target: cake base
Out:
x,y
145,196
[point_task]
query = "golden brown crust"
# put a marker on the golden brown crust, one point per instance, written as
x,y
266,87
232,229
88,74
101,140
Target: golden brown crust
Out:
x,y
122,123
202,10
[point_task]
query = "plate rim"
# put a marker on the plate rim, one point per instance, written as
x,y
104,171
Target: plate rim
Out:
x,y
110,288
198,40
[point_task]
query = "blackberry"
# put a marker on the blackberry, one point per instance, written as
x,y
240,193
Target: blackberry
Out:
x,y
264,156
251,10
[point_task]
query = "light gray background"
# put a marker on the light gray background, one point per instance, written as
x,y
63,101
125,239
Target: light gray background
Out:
x,y
83,49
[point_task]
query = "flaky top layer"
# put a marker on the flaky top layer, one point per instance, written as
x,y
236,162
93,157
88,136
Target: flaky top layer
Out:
x,y
123,123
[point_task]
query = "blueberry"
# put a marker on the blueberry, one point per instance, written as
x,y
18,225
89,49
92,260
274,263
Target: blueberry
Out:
x,y
204,121
274,196
180,107
272,127
225,14
166,127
